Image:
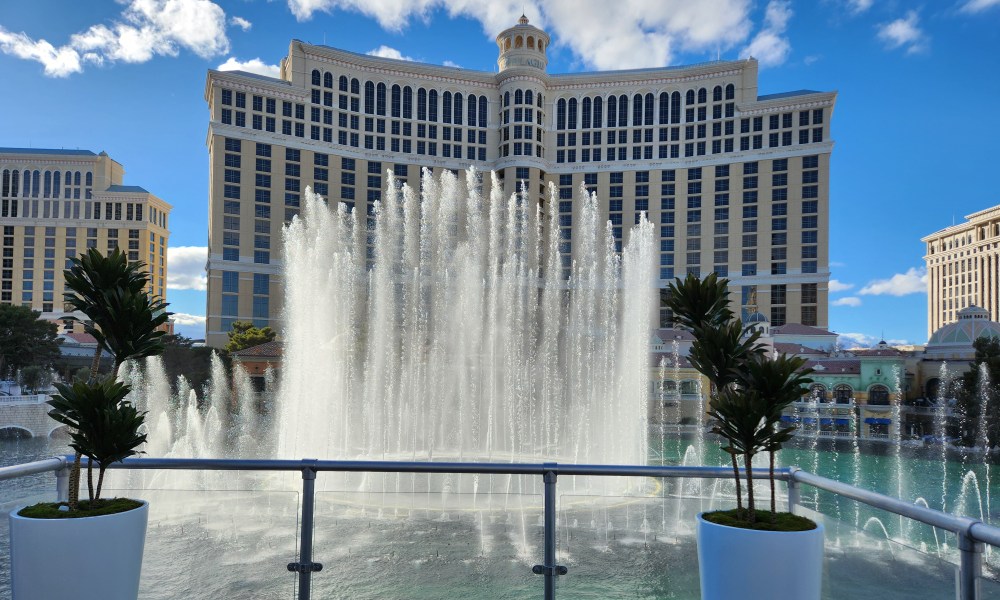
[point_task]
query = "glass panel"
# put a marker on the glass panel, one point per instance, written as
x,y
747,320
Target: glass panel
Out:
x,y
989,586
415,544
231,543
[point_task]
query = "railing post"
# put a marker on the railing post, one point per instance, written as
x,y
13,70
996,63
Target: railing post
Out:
x,y
62,482
305,567
970,566
793,489
550,569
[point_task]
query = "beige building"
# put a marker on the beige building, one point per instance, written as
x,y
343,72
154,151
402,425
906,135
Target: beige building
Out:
x,y
735,182
54,204
963,266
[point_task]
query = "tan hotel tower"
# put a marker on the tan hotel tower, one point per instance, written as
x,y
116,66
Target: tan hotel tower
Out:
x,y
735,182
963,268
54,204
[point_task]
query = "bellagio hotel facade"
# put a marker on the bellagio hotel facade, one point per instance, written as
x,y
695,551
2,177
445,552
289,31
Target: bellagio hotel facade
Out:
x,y
735,182
54,205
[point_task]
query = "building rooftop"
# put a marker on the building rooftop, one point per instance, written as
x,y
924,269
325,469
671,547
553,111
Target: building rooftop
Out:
x,y
799,329
259,76
781,95
127,188
273,349
58,151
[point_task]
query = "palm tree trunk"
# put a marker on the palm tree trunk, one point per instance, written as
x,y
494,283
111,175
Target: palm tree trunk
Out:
x,y
74,483
100,481
90,479
774,503
739,491
95,364
748,465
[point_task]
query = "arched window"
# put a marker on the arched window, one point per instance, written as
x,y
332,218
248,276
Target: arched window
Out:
x,y
717,94
343,83
380,99
675,107
483,107
506,44
730,92
519,42
664,108
571,122
531,41
472,110
649,109
15,183
878,395
422,104
538,101
67,182
637,110
369,97
529,97
561,114
842,393
585,114
315,77
35,185
458,109
612,111
506,99
27,184
76,178
689,98
446,107
541,46
328,80
407,103
355,86
817,392
397,101
5,187
55,184
598,112
623,111
518,97
702,96
48,185
689,387
432,106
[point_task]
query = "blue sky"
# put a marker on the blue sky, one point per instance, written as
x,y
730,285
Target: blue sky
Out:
x,y
915,124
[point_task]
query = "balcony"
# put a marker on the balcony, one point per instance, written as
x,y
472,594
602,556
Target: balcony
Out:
x,y
238,538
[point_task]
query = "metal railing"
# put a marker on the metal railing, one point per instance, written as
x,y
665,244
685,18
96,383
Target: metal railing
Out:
x,y
972,533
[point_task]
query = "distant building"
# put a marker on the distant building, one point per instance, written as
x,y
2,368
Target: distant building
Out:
x,y
963,268
734,181
54,204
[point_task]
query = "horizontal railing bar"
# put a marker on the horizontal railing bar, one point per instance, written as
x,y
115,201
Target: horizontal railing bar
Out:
x,y
374,466
983,532
936,518
34,468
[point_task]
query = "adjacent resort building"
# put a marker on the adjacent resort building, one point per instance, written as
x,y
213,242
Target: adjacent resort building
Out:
x,y
735,182
54,204
963,268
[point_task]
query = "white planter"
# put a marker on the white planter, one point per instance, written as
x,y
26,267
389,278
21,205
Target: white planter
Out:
x,y
92,558
759,565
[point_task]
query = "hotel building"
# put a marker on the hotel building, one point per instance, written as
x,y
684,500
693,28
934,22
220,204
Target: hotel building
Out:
x,y
54,204
735,182
963,267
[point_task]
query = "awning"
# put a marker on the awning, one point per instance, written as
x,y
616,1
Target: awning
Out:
x,y
878,421
809,420
825,421
842,421
788,418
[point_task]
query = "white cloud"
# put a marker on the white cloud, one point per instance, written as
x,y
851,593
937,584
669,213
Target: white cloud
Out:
x,y
254,65
769,46
914,281
241,23
856,340
145,28
604,35
859,6
904,32
187,320
974,6
387,52
852,301
186,267
449,63
838,286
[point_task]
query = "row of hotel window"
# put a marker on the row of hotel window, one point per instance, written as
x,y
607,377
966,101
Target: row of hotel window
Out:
x,y
230,299
29,183
54,209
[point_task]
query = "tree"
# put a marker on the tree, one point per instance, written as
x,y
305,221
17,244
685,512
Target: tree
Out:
x,y
973,390
34,378
124,320
181,357
244,335
25,340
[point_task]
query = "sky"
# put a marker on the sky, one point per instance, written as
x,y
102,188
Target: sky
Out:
x,y
915,124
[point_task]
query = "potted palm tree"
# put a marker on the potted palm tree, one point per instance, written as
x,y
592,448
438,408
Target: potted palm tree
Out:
x,y
105,427
779,554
